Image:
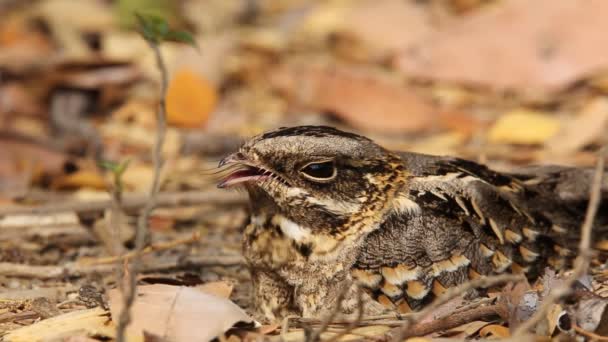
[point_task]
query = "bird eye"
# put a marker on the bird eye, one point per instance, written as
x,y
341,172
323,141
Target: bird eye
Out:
x,y
320,171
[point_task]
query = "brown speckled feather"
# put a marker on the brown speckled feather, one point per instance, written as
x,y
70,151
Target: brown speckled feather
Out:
x,y
329,206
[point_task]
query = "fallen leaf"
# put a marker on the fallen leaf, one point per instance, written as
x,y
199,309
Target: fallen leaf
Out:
x,y
221,289
494,331
591,314
553,44
552,317
366,99
385,26
79,179
590,125
95,322
373,330
190,99
176,313
523,126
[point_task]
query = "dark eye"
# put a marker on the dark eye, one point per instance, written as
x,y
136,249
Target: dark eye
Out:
x,y
321,171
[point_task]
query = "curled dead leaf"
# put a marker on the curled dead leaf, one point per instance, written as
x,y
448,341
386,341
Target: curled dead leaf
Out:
x,y
179,313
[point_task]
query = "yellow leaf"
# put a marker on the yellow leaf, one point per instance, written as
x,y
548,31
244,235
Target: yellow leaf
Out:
x,y
494,330
602,245
524,127
80,179
190,99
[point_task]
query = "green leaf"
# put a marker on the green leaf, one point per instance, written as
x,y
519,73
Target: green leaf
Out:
x,y
122,167
147,28
116,168
182,37
153,28
108,165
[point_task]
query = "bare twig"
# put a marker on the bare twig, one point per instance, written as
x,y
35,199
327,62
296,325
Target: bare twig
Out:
x,y
316,334
355,323
130,202
483,282
581,264
75,269
149,249
591,335
452,321
142,222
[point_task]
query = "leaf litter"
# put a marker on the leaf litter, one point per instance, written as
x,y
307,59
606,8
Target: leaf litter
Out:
x,y
453,77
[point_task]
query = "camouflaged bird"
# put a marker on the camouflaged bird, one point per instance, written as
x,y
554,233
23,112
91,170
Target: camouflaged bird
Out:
x,y
329,207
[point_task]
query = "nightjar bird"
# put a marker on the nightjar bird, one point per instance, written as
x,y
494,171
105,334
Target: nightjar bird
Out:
x,y
329,208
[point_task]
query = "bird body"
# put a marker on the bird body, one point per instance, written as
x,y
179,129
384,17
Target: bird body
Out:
x,y
330,207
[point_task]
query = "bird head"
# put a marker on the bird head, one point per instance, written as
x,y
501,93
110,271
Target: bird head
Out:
x,y
317,176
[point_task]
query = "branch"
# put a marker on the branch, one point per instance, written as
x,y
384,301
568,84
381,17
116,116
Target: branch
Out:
x,y
142,222
130,202
76,269
584,251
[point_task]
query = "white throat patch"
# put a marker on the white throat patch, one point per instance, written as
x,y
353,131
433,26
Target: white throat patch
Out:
x,y
291,229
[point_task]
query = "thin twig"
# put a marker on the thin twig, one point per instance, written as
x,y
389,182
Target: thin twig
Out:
x,y
76,270
355,323
316,334
142,222
130,202
584,251
452,320
591,335
483,282
149,249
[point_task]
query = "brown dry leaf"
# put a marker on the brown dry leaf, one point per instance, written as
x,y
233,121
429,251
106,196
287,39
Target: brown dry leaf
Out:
x,y
552,44
23,161
372,330
190,99
95,322
221,289
592,315
79,179
590,125
385,26
523,126
494,331
365,99
552,320
179,313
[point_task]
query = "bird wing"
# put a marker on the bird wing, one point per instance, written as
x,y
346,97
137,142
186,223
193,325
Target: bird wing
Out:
x,y
457,219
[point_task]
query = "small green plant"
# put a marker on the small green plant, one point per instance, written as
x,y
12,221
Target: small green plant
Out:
x,y
117,170
155,30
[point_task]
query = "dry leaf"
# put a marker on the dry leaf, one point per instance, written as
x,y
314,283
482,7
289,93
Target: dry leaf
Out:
x,y
95,322
590,125
80,179
179,313
364,98
524,126
591,314
495,331
518,44
221,289
385,26
190,99
372,330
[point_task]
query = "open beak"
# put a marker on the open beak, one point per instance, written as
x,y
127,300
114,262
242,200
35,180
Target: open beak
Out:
x,y
242,174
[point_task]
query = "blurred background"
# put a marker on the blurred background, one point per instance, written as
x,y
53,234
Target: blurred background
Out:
x,y
504,82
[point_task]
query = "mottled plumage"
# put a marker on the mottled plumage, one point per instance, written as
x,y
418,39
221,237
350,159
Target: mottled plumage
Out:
x,y
328,207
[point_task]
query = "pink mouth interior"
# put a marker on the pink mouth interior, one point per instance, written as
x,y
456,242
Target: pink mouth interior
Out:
x,y
241,176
